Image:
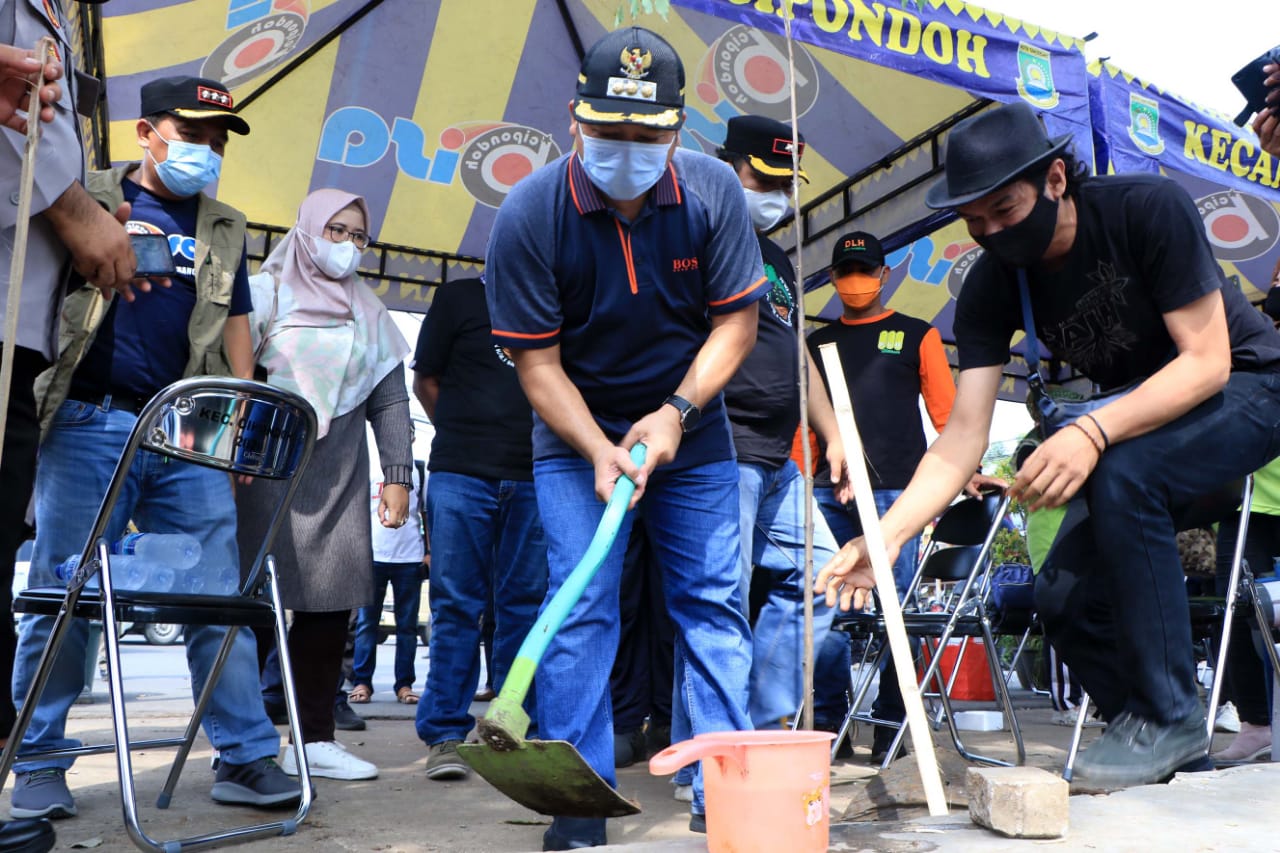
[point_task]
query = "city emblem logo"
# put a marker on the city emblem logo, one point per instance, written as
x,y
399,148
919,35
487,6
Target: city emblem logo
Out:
x,y
1035,77
1144,124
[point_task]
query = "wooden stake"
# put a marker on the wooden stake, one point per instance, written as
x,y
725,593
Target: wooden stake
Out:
x,y
890,609
18,262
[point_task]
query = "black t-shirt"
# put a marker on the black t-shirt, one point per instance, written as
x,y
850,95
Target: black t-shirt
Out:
x,y
1140,252
889,362
483,421
144,345
763,397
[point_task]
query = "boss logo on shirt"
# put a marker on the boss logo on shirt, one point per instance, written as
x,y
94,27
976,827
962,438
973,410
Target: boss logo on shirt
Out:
x,y
504,355
684,264
890,343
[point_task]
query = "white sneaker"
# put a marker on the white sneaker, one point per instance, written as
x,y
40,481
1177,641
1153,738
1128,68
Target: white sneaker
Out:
x,y
1069,716
1227,720
683,793
329,759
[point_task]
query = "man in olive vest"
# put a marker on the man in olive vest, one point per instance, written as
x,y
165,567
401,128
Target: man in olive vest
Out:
x,y
113,356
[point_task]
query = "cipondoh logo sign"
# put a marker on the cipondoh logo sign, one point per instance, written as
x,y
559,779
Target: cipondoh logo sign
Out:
x,y
749,69
1239,226
495,158
263,36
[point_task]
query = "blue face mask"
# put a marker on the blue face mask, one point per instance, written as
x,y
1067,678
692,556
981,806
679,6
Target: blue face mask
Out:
x,y
623,170
189,168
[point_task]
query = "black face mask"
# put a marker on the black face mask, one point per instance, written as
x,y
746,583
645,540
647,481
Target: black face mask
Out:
x,y
1025,243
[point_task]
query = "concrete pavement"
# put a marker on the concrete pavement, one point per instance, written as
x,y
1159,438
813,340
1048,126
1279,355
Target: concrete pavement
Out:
x,y
403,812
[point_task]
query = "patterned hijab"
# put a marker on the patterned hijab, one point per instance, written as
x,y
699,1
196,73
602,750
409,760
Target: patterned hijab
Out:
x,y
330,341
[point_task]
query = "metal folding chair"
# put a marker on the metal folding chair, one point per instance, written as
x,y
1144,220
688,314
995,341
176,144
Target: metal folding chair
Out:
x,y
1210,509
232,425
956,558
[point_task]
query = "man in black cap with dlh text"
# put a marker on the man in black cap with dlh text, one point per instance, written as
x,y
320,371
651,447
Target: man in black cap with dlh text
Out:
x,y
1118,279
890,361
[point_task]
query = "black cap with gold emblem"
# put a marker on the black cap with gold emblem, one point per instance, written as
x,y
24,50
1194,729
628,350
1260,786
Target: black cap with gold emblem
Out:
x,y
631,76
765,142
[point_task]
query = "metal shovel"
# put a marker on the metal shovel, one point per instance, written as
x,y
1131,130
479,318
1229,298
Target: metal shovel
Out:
x,y
549,776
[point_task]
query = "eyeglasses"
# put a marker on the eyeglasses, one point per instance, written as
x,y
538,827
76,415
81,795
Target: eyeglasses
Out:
x,y
341,234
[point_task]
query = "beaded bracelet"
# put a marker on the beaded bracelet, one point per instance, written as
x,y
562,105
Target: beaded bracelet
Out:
x,y
1106,442
1088,435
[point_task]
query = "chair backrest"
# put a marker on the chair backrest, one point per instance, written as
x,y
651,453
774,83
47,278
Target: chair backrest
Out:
x,y
967,522
233,424
949,564
961,543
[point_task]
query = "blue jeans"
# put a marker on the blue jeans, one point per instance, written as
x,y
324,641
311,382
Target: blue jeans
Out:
x,y
406,593
160,495
1112,594
834,658
771,527
693,528
487,544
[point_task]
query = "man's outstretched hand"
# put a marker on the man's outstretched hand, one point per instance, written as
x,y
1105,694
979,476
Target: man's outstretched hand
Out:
x,y
848,577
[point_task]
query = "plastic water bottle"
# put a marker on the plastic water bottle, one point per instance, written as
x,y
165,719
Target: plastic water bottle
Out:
x,y
178,551
139,573
67,569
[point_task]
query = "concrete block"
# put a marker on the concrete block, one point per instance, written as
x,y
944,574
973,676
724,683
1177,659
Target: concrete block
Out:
x,y
1021,802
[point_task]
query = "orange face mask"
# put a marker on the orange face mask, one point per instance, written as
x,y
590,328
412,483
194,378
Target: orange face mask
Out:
x,y
858,290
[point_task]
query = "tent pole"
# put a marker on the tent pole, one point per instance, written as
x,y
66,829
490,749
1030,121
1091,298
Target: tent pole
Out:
x,y
797,314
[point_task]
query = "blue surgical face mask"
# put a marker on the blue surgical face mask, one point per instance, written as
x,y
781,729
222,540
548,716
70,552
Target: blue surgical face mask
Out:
x,y
623,170
189,168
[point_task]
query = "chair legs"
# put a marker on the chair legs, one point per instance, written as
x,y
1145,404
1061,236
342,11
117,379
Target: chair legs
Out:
x,y
933,675
122,746
1077,735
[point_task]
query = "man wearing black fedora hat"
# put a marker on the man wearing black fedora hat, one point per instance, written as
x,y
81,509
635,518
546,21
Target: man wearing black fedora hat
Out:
x,y
1119,280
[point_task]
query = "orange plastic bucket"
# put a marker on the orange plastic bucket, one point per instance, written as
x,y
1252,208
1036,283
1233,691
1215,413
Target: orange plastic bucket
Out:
x,y
766,791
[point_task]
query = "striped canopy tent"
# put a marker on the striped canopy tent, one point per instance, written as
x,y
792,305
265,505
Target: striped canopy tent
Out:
x,y
433,109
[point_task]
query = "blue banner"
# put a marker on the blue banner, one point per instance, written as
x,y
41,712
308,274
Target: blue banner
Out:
x,y
985,53
1147,128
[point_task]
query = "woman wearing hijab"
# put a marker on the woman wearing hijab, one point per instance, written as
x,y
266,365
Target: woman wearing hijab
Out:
x,y
321,332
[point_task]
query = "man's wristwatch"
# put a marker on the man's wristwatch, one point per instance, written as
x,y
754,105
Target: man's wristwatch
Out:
x,y
689,413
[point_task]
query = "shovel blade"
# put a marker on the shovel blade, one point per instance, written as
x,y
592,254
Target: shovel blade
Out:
x,y
548,776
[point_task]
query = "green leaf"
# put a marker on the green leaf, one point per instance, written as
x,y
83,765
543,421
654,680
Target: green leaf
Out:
x,y
636,8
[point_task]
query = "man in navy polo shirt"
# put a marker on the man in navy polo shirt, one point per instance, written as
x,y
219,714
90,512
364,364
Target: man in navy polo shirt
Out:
x,y
623,277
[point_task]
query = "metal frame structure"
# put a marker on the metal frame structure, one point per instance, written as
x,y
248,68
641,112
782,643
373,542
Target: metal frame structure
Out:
x,y
233,425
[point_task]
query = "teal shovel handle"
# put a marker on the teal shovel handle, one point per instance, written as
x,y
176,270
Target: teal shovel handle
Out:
x,y
520,676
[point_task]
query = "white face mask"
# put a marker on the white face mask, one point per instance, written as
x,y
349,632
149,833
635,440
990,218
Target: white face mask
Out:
x,y
767,209
336,260
623,170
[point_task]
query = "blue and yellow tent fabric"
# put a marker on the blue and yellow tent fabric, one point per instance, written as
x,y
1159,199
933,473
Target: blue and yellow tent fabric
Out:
x,y
1236,185
432,109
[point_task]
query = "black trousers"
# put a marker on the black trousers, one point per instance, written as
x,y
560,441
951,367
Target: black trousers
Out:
x,y
316,642
644,669
1245,679
18,477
